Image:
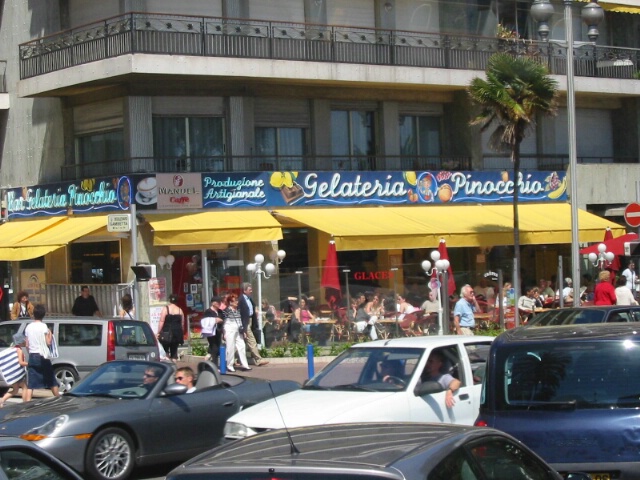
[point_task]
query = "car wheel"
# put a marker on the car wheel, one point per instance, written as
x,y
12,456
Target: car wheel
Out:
x,y
67,378
110,455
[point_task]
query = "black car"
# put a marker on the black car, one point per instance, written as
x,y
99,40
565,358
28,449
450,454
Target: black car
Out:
x,y
371,450
587,314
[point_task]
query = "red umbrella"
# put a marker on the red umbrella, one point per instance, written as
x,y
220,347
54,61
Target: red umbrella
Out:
x,y
451,284
614,245
331,277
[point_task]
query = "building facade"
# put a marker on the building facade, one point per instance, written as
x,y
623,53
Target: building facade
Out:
x,y
109,102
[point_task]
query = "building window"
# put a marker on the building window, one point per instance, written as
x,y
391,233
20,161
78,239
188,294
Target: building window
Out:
x,y
353,140
281,149
188,144
97,262
95,150
419,140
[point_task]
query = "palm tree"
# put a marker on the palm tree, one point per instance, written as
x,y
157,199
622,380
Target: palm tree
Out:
x,y
515,92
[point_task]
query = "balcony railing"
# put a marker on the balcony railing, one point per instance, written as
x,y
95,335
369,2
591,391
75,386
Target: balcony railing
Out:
x,y
224,37
129,166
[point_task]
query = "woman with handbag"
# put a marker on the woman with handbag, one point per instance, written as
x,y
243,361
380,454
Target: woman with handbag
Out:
x,y
38,341
170,332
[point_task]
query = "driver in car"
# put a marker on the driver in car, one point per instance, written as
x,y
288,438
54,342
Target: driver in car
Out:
x,y
391,371
150,377
433,372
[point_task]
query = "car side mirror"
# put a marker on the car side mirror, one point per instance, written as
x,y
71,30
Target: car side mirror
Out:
x,y
428,388
174,389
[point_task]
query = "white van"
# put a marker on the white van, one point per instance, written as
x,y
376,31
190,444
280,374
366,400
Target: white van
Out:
x,y
86,342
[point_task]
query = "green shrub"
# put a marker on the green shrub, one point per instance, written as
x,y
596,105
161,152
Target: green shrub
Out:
x,y
199,349
298,350
338,348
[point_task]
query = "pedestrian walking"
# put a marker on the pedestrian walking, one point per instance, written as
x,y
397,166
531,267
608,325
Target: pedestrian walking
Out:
x,y
250,323
38,341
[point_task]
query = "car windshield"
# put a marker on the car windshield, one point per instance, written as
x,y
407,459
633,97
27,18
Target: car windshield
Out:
x,y
124,379
368,369
566,317
569,375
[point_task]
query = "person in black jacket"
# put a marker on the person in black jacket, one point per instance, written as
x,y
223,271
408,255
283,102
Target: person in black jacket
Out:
x,y
85,305
249,317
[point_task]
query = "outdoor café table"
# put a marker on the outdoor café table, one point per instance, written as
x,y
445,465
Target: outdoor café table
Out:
x,y
321,328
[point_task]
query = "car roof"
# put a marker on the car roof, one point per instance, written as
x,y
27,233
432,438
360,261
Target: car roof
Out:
x,y
591,331
343,446
427,341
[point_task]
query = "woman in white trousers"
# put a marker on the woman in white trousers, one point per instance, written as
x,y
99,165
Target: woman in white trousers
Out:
x,y
234,334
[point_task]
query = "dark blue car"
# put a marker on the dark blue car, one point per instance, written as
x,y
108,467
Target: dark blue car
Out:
x,y
571,393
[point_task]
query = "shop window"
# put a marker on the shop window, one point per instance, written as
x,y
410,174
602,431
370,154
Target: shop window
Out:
x,y
185,144
97,262
280,149
100,147
353,139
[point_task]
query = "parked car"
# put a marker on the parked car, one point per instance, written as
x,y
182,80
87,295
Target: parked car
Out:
x,y
84,343
115,414
351,388
20,459
403,451
571,394
581,315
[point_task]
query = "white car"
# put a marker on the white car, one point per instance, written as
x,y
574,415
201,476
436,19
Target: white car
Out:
x,y
351,387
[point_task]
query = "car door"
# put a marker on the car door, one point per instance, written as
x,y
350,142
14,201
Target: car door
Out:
x,y
191,422
432,407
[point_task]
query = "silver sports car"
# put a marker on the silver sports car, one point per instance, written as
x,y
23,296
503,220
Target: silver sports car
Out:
x,y
131,413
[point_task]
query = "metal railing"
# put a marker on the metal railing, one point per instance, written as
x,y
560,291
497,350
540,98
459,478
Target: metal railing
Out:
x,y
227,37
256,163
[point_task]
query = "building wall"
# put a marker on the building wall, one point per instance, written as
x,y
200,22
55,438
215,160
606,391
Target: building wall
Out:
x,y
33,135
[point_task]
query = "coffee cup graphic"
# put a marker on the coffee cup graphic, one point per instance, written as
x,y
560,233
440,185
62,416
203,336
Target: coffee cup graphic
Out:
x,y
147,190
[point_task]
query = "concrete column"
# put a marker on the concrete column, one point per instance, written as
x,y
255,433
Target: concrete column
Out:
x,y
138,132
386,14
389,136
235,8
321,133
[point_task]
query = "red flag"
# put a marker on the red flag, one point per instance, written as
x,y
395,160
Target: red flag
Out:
x,y
331,277
444,255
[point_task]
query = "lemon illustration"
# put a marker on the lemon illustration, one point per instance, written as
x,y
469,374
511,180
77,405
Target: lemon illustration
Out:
x,y
410,177
295,175
287,179
277,179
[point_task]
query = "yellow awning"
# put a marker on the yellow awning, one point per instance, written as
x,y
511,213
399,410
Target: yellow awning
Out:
x,y
381,228
64,232
15,231
619,6
214,227
16,254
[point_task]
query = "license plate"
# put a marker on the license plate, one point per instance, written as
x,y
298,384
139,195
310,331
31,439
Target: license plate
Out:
x,y
141,357
600,476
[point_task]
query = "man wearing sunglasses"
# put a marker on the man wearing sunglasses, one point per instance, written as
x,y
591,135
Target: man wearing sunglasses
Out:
x,y
150,377
185,376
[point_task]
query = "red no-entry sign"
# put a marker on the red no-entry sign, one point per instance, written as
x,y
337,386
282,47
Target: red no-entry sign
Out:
x,y
632,214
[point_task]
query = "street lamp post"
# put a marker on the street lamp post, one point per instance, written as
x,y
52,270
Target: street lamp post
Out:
x,y
592,15
256,270
346,272
602,259
441,268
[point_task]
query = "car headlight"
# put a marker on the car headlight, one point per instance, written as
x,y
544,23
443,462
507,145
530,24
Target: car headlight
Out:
x,y
47,430
237,430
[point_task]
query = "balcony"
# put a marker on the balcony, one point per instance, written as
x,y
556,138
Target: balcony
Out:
x,y
138,165
149,33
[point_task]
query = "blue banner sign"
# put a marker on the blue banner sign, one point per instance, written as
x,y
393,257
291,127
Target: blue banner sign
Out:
x,y
89,195
277,189
295,189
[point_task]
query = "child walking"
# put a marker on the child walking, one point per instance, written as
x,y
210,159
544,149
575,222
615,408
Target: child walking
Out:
x,y
18,371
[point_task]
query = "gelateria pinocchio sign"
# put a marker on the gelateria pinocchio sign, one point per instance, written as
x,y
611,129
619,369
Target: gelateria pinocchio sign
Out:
x,y
280,189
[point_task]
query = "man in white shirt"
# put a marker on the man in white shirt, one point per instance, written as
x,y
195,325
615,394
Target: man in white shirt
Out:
x,y
632,277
